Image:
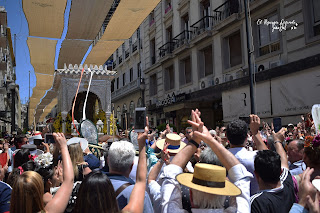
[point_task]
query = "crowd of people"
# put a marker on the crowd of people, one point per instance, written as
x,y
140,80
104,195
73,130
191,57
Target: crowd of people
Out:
x,y
240,167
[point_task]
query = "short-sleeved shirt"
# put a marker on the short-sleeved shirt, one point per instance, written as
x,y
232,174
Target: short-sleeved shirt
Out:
x,y
5,196
275,200
247,159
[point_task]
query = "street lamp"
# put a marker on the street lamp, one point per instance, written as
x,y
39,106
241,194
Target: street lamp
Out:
x,y
142,87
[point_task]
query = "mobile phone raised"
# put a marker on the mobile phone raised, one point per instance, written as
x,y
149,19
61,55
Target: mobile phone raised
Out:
x,y
48,138
37,142
277,124
140,119
245,119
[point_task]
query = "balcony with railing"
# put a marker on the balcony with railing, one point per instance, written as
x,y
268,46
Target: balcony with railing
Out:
x,y
168,8
166,49
204,24
225,10
182,38
127,53
135,46
114,64
120,59
126,89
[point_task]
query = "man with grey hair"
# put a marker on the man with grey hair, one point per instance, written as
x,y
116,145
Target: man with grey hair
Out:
x,y
120,160
295,151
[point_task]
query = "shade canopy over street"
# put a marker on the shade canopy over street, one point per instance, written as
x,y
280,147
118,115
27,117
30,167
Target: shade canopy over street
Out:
x,y
87,23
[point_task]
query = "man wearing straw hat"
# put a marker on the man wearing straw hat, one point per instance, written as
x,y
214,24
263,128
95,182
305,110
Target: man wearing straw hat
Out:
x,y
208,184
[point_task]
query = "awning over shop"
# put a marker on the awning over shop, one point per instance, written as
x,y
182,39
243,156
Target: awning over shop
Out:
x,y
45,17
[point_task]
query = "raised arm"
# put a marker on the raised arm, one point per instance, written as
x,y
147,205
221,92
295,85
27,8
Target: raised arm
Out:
x,y
226,158
60,201
137,195
254,127
278,139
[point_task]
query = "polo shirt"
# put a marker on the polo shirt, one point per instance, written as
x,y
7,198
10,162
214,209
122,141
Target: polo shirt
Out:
x,y
275,200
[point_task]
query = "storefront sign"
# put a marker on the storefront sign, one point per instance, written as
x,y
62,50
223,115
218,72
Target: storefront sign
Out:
x,y
171,100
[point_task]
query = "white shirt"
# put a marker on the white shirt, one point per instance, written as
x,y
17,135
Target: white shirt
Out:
x,y
171,198
247,159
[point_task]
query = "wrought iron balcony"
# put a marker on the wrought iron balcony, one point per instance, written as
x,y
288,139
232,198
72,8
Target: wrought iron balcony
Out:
x,y
126,89
127,53
135,46
167,48
225,10
168,9
182,38
202,25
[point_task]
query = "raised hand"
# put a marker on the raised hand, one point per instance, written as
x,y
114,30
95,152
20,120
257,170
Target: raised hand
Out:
x,y
254,124
60,140
280,135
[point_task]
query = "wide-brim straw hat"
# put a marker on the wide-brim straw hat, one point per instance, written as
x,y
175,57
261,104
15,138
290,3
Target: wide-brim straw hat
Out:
x,y
82,141
175,143
209,179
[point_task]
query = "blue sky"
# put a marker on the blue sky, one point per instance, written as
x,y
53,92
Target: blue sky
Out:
x,y
19,26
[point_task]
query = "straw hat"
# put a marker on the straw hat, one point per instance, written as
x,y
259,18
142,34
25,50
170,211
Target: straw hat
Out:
x,y
82,141
175,143
209,179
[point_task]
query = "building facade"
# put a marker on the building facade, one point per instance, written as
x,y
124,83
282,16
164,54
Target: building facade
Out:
x,y
9,92
194,55
126,93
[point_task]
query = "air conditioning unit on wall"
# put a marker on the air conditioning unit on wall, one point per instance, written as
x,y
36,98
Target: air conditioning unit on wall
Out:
x,y
218,80
262,66
203,84
228,77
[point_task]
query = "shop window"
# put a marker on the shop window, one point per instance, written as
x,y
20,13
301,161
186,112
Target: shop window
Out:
x,y
185,71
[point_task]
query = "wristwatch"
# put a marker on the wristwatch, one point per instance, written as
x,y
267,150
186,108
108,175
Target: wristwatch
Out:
x,y
194,143
277,142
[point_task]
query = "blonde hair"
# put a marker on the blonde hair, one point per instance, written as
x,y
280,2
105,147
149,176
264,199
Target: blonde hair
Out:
x,y
76,156
27,193
207,201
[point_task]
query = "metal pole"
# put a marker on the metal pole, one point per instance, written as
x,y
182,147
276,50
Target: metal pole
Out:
x,y
29,86
253,110
13,110
15,50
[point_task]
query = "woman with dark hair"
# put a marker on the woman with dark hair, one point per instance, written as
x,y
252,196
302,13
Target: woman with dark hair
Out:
x,y
28,166
28,189
96,194
21,157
